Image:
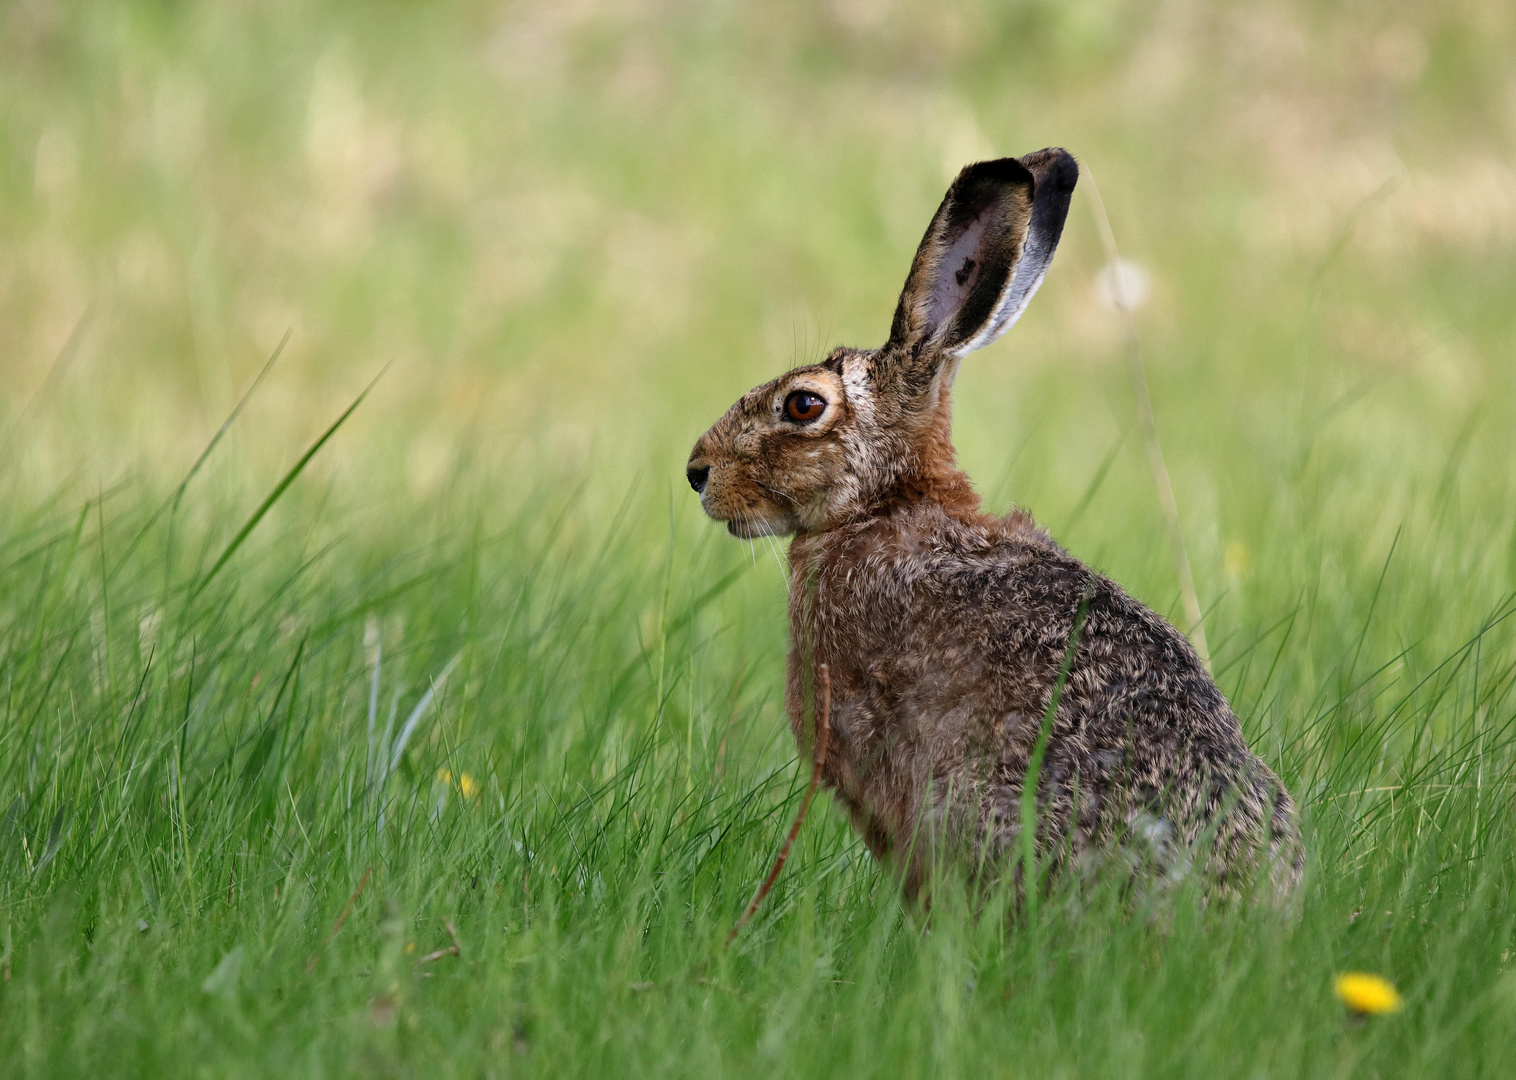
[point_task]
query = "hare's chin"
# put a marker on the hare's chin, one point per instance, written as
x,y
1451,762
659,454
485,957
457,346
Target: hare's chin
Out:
x,y
752,528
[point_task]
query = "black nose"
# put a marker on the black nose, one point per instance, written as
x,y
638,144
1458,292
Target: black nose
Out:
x,y
698,477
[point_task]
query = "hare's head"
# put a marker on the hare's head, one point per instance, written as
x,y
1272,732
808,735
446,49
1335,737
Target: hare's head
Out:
x,y
835,441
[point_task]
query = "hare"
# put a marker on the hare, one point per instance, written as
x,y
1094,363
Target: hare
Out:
x,y
944,629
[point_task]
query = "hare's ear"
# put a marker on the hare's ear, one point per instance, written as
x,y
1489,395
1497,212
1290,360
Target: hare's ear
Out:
x,y
984,254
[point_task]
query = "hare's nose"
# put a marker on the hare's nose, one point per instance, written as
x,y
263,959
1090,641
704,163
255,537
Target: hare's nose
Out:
x,y
698,476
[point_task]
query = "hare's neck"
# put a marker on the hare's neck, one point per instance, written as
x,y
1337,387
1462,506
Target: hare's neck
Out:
x,y
948,487
933,474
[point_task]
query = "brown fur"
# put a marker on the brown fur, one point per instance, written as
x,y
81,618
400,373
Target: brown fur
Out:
x,y
944,627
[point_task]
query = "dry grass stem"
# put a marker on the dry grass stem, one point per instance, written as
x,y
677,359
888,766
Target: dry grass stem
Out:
x,y
454,949
823,737
337,926
1156,465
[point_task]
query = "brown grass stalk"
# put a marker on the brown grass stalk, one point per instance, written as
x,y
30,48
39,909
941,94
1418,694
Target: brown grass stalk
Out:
x,y
337,926
823,738
1156,465
454,949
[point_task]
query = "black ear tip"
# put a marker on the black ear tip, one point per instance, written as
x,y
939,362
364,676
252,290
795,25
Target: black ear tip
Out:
x,y
1054,168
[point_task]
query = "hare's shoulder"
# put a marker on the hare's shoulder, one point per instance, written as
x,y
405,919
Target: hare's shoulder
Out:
x,y
1002,587
973,563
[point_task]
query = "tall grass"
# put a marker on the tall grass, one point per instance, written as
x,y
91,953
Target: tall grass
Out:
x,y
200,783
276,726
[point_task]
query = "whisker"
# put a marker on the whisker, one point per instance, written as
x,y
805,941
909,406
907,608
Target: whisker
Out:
x,y
781,494
773,543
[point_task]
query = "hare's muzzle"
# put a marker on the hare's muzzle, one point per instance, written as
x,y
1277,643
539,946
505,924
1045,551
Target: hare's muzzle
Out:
x,y
698,475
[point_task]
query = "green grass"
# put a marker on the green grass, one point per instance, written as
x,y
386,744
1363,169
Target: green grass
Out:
x,y
575,235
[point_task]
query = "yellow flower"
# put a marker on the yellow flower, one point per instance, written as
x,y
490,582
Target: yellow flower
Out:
x,y
467,786
1366,995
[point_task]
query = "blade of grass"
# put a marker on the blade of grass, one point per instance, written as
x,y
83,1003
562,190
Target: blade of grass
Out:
x,y
1034,762
55,373
409,727
172,502
280,488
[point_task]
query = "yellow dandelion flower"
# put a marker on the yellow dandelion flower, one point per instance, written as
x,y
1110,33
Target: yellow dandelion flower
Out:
x,y
467,786
1365,994
410,947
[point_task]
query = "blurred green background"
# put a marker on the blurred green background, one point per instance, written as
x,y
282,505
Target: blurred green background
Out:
x,y
580,230
571,234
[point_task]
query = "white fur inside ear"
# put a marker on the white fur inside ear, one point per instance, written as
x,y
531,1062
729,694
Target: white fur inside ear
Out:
x,y
1017,294
1024,283
957,273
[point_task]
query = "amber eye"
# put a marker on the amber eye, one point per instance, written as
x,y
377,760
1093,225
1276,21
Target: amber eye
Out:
x,y
803,406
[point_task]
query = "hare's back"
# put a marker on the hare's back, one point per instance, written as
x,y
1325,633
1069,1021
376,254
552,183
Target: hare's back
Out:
x,y
1134,680
973,619
1141,734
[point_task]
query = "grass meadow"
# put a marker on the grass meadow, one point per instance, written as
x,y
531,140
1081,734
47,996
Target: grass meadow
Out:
x,y
455,747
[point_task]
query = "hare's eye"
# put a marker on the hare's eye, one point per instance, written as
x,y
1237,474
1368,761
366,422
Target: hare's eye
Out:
x,y
803,406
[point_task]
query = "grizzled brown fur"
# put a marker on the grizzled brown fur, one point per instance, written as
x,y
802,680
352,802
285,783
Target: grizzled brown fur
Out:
x,y
944,627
